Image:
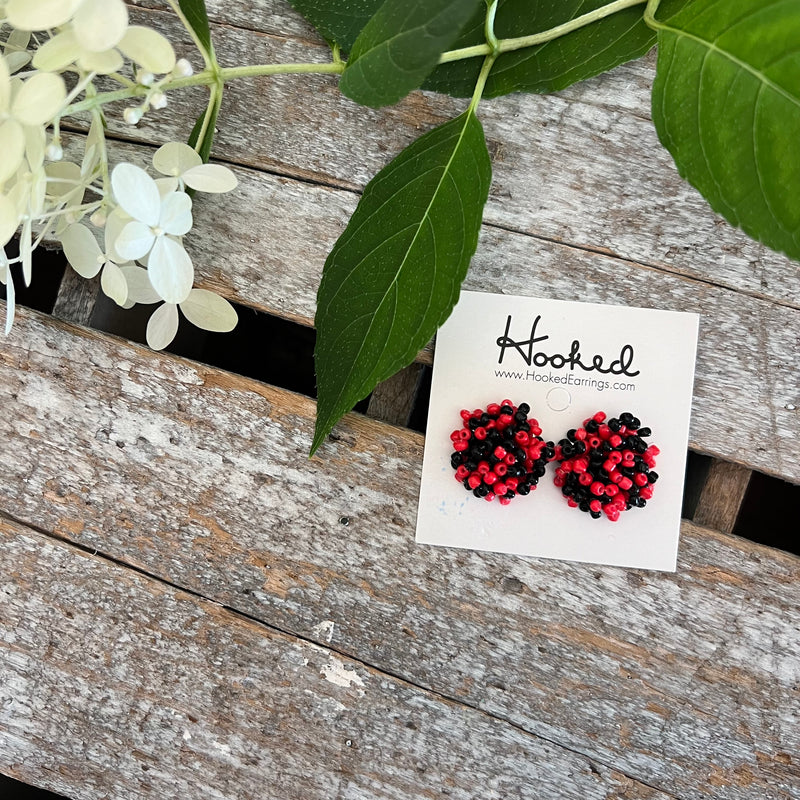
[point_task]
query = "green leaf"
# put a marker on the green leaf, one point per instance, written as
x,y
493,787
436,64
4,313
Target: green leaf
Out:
x,y
726,104
554,65
394,274
197,16
339,21
400,46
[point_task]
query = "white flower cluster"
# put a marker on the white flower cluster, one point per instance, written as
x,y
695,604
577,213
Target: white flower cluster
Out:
x,y
143,259
143,220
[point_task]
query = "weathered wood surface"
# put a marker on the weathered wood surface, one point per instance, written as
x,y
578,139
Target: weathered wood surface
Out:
x,y
393,400
117,686
601,179
748,365
686,682
722,496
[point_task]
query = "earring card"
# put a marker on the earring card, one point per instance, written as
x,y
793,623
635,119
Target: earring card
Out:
x,y
567,361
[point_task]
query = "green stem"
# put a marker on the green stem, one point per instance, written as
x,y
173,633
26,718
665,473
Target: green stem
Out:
x,y
650,14
214,102
208,57
520,42
479,86
491,37
256,70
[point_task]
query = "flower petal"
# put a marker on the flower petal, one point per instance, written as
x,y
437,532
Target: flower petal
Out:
x,y
136,192
17,60
12,146
57,53
166,186
39,15
35,141
140,290
113,283
176,213
9,219
170,269
210,178
40,99
8,279
102,63
134,240
64,177
82,250
148,48
209,311
5,86
100,24
115,222
174,158
162,326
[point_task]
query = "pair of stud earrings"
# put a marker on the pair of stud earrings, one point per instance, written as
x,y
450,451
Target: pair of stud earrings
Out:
x,y
605,467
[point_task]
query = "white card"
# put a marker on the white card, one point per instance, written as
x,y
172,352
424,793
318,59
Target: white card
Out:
x,y
567,361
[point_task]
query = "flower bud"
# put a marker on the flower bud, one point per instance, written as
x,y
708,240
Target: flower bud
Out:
x,y
54,152
98,219
183,69
158,100
144,77
132,115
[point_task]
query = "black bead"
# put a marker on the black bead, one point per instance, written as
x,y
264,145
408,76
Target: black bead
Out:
x,y
614,424
455,460
523,489
524,408
644,432
506,410
652,477
595,514
571,434
592,426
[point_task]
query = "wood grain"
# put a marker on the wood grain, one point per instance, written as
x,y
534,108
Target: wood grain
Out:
x,y
748,364
601,178
393,400
722,496
689,683
117,686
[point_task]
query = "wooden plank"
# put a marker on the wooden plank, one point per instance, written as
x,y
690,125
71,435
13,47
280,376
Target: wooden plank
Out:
x,y
76,298
115,685
683,682
393,400
749,350
603,180
722,496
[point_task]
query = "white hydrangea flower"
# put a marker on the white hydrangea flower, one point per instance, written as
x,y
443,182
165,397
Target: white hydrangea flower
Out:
x,y
7,278
97,39
15,50
156,223
87,259
178,160
23,106
202,308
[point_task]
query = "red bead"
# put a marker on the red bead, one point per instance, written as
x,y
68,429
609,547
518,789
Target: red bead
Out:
x,y
500,469
480,434
640,479
595,505
580,465
653,451
585,479
535,429
505,420
615,457
646,493
504,501
493,409
612,489
460,445
521,437
500,489
612,513
508,403
465,415
604,432
580,434
609,466
455,436
597,488
474,480
489,497
615,440
500,452
593,442
483,467
558,481
464,434
461,472
489,478
572,503
510,459
599,417
512,483
625,484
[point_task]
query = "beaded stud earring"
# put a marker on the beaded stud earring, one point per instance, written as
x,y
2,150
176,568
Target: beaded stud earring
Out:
x,y
605,468
499,452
